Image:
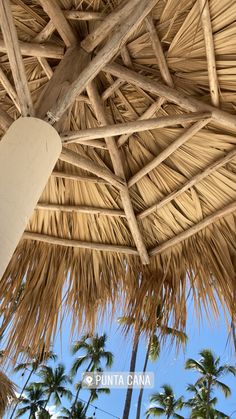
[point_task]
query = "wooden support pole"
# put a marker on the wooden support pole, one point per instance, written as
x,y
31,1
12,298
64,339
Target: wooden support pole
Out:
x,y
131,127
81,209
85,163
9,89
190,183
102,247
185,136
105,28
78,178
15,59
82,15
119,171
37,50
210,219
113,45
221,118
45,33
45,66
111,89
210,51
53,10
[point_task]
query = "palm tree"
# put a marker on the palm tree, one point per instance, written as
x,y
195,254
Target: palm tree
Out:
x,y
78,412
32,365
94,394
94,348
53,384
210,373
199,404
167,404
32,400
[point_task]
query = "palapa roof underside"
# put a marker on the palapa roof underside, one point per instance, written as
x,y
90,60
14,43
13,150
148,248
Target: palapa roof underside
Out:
x,y
147,205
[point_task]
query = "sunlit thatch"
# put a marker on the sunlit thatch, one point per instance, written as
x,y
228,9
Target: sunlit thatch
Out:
x,y
84,280
7,393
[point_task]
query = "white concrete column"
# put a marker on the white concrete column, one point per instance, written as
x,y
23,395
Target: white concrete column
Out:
x,y
28,153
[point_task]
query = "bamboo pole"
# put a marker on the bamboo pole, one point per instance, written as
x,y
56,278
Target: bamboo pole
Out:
x,y
183,138
117,16
81,209
210,51
190,183
119,171
78,178
53,10
221,118
105,55
36,50
15,59
131,127
210,219
102,247
85,163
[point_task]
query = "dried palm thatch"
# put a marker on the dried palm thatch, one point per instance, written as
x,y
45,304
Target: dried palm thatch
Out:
x,y
145,206
7,393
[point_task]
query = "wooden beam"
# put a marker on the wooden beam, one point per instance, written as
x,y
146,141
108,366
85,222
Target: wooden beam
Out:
x,y
113,45
105,28
45,33
131,127
5,120
119,171
9,89
102,247
16,62
221,118
190,183
37,50
210,219
80,15
157,48
81,209
53,10
210,51
111,89
45,66
154,107
75,177
85,163
185,136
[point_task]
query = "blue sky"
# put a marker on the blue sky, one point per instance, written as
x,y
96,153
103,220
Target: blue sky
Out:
x,y
168,369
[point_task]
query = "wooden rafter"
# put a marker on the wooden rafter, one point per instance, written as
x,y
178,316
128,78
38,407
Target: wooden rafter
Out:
x,y
210,51
113,45
33,49
55,13
182,139
119,171
45,33
131,127
117,16
81,209
210,219
9,89
190,183
221,118
85,163
78,178
82,15
15,59
102,247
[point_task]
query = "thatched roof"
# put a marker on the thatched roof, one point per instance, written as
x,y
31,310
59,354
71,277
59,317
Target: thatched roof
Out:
x,y
7,393
137,208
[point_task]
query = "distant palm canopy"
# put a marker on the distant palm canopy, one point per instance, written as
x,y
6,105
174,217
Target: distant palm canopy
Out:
x,y
140,205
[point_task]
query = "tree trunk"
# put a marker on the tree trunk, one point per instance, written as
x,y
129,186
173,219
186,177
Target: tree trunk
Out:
x,y
141,389
77,392
208,398
233,334
22,391
47,401
88,403
129,392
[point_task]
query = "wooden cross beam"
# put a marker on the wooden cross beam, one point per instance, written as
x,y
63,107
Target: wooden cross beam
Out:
x,y
131,127
119,171
32,49
102,247
81,209
75,177
15,59
9,89
210,51
190,183
210,219
221,118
